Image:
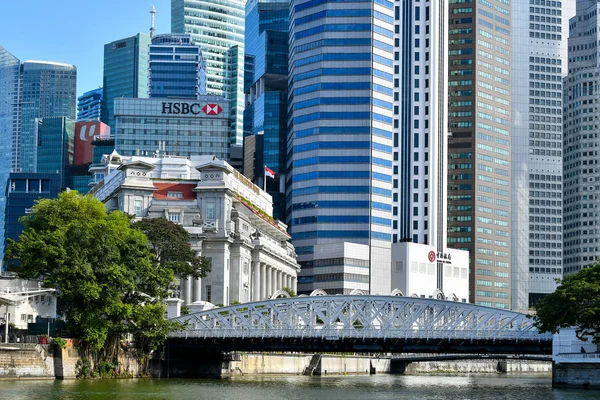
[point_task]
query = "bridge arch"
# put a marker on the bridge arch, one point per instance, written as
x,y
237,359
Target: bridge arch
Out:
x,y
439,294
397,293
356,292
318,292
280,294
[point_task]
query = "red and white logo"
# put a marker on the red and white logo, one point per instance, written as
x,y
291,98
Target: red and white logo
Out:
x,y
212,109
431,256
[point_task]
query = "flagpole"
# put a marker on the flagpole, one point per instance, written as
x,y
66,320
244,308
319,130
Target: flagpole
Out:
x,y
265,178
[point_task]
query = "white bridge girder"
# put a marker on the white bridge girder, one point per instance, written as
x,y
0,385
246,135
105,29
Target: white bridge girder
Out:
x,y
359,316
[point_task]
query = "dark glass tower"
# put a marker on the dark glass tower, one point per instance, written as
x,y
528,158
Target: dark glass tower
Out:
x,y
55,146
265,86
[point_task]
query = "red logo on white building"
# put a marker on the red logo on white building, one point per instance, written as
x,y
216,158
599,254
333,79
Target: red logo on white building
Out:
x,y
212,109
431,256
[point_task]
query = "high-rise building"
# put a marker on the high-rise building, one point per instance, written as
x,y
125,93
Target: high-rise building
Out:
x,y
581,169
340,144
125,72
479,148
55,146
177,68
89,105
265,85
219,29
174,127
10,122
48,89
539,59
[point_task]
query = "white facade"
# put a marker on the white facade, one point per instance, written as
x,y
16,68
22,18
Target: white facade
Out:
x,y
22,301
228,218
415,266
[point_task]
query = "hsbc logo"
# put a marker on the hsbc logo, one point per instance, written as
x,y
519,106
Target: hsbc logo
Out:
x,y
194,108
212,109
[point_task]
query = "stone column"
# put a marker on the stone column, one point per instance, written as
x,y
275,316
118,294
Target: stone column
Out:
x,y
279,280
186,289
263,281
197,284
288,281
273,281
256,282
295,285
269,285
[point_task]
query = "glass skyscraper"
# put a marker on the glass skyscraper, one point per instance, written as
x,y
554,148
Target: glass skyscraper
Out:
x,y
55,146
89,105
177,68
265,85
218,27
48,89
125,72
340,143
10,73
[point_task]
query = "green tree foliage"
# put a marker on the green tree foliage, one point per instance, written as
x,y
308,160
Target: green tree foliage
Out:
x,y
170,243
107,277
575,303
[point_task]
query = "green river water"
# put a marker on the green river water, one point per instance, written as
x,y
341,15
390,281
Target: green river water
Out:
x,y
378,387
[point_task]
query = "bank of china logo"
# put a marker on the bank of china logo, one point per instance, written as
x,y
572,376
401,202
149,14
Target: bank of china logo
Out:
x,y
212,109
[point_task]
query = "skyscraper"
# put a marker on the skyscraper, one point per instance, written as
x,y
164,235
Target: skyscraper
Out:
x,y
340,143
581,171
89,105
219,29
265,76
479,166
55,146
539,58
10,121
177,68
48,90
125,72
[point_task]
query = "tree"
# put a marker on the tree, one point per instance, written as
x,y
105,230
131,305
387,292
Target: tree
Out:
x,y
108,282
170,243
575,303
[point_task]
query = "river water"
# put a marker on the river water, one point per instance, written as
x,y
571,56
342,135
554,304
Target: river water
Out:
x,y
378,387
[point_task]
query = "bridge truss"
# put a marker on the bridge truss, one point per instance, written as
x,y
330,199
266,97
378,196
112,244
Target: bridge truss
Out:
x,y
360,317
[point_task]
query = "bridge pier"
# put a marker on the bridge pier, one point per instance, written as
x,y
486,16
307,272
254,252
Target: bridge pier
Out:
x,y
189,362
398,367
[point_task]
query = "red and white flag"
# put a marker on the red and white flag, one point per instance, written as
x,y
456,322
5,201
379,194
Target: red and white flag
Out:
x,y
269,172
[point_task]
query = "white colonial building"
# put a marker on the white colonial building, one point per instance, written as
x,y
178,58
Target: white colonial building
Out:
x,y
228,217
24,301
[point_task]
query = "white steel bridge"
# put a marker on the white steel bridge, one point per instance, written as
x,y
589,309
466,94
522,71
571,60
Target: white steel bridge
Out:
x,y
363,323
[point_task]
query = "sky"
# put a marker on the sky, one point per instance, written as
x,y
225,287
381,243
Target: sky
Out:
x,y
75,31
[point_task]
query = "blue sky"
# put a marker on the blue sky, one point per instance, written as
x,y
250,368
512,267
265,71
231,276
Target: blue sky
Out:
x,y
75,31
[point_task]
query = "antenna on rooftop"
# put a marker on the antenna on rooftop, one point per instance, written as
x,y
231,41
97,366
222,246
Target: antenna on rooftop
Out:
x,y
152,12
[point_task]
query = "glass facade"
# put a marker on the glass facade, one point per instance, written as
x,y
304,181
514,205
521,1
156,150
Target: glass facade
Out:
x,y
125,72
10,73
177,68
23,189
265,86
218,27
89,105
479,147
55,146
339,185
48,90
173,127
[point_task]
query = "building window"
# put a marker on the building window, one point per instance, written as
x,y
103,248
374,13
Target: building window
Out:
x,y
175,195
210,210
174,217
208,291
138,208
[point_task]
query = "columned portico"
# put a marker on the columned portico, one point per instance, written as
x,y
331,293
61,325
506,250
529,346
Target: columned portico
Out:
x,y
256,281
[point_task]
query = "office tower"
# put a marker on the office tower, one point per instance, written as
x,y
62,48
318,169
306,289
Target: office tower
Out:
x,y
175,127
340,144
219,29
539,59
89,105
23,189
10,79
422,263
479,154
55,146
48,89
125,72
177,68
581,169
265,86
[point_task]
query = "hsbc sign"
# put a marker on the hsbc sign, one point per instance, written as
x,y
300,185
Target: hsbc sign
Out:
x,y
193,108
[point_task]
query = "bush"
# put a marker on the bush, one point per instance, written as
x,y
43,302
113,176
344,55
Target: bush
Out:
x,y
83,368
59,343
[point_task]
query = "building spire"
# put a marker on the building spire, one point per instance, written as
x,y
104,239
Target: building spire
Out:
x,y
152,12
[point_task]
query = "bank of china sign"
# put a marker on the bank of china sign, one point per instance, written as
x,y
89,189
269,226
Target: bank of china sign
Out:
x,y
193,108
